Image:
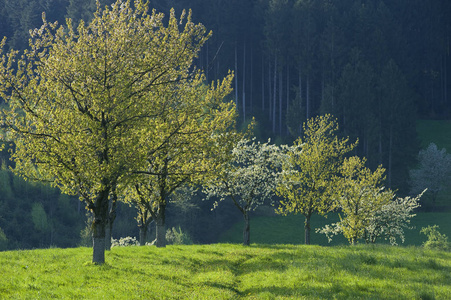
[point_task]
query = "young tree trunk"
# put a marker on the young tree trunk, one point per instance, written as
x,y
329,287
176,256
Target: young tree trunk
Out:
x,y
280,100
269,89
274,96
246,230
307,230
161,226
307,99
263,83
244,83
300,96
288,97
390,154
236,76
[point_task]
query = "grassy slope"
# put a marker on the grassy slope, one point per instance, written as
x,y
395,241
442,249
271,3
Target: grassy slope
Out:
x,y
226,271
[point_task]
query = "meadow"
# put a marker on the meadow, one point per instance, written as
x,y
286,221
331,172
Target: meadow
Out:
x,y
228,271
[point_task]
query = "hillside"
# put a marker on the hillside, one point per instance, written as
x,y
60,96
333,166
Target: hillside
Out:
x,y
226,271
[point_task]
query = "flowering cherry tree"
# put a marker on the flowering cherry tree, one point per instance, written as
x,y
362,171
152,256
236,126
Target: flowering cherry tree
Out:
x,y
248,179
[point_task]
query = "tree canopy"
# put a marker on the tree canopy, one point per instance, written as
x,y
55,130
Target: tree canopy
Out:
x,y
308,180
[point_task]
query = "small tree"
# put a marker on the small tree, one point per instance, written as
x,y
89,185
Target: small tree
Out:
x,y
249,179
308,180
433,173
360,195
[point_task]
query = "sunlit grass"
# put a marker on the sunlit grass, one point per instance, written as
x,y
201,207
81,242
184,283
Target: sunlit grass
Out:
x,y
228,271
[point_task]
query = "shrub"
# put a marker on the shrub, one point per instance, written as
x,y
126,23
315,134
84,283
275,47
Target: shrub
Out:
x,y
124,242
436,240
178,237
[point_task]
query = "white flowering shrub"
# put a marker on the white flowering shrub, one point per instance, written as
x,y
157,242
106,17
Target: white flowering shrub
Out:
x,y
391,220
124,242
433,173
388,223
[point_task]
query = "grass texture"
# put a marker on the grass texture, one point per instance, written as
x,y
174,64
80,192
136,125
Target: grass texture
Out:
x,y
228,271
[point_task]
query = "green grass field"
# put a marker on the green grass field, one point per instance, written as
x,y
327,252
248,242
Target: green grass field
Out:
x,y
290,229
228,271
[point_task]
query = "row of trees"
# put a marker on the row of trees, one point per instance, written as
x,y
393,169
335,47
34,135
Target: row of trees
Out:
x,y
315,176
114,109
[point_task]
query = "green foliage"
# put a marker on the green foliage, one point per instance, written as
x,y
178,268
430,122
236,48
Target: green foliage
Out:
x,y
308,181
360,196
3,240
86,232
39,217
175,236
436,240
225,271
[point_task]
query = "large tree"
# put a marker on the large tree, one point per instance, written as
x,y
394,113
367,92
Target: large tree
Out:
x,y
308,180
81,100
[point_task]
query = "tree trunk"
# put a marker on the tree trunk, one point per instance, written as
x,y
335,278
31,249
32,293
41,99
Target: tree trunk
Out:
x,y
236,77
100,211
307,98
288,97
143,233
108,236
263,83
280,100
161,227
390,154
110,220
307,229
246,230
244,83
269,90
274,96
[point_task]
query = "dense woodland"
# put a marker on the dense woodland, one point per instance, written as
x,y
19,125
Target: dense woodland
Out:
x,y
376,65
